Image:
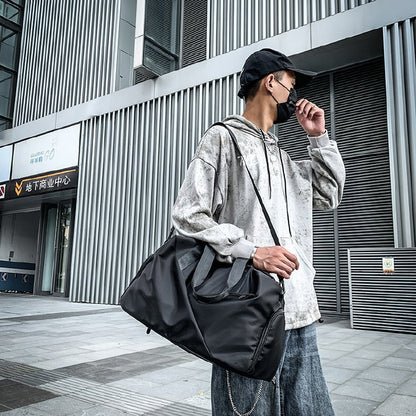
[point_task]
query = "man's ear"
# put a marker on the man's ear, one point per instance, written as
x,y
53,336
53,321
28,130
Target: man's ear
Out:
x,y
268,82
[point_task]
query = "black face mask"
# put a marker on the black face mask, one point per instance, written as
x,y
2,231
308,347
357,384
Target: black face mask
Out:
x,y
286,110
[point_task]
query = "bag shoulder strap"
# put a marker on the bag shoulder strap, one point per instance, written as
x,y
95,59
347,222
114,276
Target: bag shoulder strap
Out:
x,y
238,151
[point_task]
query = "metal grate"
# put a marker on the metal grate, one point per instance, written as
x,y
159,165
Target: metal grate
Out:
x,y
194,40
365,216
383,301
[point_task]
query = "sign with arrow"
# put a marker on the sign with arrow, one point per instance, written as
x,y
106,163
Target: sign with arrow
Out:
x,y
48,182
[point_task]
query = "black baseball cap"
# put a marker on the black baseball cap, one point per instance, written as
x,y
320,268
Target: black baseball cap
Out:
x,y
266,61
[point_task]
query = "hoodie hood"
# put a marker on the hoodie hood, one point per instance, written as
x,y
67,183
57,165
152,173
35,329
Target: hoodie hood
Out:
x,y
247,127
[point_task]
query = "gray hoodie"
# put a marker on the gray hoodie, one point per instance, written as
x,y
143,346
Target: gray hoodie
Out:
x,y
217,202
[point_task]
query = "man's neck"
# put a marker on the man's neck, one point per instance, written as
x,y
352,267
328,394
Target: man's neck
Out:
x,y
259,114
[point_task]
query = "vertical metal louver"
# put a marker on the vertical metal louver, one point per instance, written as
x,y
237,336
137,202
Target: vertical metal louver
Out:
x,y
236,23
68,56
132,163
400,63
382,301
194,32
364,218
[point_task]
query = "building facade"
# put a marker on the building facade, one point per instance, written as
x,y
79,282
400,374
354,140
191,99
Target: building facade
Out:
x,y
121,91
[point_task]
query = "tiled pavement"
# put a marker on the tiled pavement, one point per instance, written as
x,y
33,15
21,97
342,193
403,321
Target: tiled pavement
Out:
x,y
65,359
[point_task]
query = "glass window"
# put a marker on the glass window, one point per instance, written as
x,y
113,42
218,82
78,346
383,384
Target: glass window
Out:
x,y
4,124
10,12
8,42
6,83
162,22
161,45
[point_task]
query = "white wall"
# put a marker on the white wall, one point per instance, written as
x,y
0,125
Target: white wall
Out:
x,y
126,44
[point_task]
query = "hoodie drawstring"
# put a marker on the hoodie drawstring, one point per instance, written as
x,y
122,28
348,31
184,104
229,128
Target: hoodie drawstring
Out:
x,y
285,189
284,178
267,164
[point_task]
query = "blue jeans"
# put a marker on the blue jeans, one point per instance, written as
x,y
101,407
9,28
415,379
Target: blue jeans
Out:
x,y
299,389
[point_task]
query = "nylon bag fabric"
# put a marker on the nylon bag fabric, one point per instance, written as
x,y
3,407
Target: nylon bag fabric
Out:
x,y
228,314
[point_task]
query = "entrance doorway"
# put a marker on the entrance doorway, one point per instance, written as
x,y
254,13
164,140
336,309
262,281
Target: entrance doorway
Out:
x,y
53,273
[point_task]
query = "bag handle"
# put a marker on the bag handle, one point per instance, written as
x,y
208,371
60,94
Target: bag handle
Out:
x,y
266,214
203,268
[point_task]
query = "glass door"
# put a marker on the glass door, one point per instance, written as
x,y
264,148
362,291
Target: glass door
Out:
x,y
62,248
49,248
55,255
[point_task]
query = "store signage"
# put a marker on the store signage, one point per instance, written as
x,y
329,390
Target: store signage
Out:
x,y
46,153
2,191
5,162
40,184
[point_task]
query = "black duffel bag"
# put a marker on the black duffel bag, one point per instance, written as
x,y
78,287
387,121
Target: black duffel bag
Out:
x,y
228,314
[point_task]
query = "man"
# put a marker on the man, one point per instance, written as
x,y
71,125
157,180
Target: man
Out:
x,y
217,204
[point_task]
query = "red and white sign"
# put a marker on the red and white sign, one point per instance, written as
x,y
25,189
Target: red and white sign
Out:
x,y
2,191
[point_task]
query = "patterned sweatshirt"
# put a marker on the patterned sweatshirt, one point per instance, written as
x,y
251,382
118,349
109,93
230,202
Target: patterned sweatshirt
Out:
x,y
217,202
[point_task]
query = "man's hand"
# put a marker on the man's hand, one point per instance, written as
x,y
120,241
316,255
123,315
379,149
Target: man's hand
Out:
x,y
275,259
310,117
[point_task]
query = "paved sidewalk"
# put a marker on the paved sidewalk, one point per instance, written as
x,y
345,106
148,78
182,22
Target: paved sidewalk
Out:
x,y
65,359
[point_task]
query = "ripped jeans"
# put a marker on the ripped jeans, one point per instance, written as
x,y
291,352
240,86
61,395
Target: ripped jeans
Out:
x,y
299,389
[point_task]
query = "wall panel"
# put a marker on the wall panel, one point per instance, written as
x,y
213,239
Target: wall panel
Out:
x,y
68,56
400,64
236,23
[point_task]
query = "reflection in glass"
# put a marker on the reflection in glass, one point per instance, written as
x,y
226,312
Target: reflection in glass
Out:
x,y
6,82
63,248
5,124
48,260
162,30
8,41
9,12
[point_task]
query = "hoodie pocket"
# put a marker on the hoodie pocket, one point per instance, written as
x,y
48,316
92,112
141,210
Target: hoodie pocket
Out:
x,y
305,266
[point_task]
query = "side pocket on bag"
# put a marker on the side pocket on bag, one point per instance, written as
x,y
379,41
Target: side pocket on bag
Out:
x,y
264,339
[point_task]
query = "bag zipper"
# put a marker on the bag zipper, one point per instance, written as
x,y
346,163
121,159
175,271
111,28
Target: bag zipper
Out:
x,y
262,340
